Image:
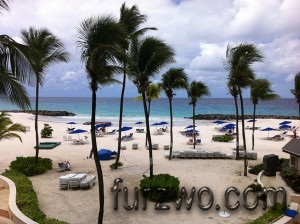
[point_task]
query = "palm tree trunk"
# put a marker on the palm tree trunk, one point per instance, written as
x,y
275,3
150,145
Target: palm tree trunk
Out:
x,y
253,126
96,159
243,132
171,128
149,107
36,122
194,136
121,116
148,135
237,128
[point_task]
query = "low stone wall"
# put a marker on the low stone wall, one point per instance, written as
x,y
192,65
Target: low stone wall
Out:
x,y
15,214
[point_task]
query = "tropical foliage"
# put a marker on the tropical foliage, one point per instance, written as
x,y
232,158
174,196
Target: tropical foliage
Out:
x,y
100,39
296,90
174,78
130,19
196,90
148,57
8,129
45,49
239,61
15,69
260,90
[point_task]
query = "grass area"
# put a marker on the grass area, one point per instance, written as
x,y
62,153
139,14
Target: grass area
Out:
x,y
27,200
270,215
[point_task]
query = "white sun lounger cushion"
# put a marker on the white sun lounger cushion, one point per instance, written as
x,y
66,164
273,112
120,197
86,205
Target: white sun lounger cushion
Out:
x,y
64,180
89,181
76,180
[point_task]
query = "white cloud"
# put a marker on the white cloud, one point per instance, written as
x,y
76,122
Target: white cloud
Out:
x,y
199,31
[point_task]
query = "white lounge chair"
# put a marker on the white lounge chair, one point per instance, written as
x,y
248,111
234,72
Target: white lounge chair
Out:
x,y
64,181
89,181
76,180
69,138
65,138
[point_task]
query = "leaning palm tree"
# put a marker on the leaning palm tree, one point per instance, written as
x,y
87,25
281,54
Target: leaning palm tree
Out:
x,y
174,78
234,92
130,19
8,128
152,93
239,62
296,91
99,39
46,50
196,90
148,57
15,69
260,90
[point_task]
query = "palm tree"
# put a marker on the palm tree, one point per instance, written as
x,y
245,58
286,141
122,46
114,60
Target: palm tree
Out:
x,y
15,69
234,92
239,62
152,93
260,89
148,57
296,90
196,90
8,128
99,39
47,50
130,19
174,78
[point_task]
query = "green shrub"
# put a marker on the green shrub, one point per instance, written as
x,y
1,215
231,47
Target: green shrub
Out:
x,y
290,176
46,132
272,214
27,166
115,166
223,138
27,200
150,188
255,169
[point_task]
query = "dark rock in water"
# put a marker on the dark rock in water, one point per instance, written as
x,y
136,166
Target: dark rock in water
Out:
x,y
232,117
46,112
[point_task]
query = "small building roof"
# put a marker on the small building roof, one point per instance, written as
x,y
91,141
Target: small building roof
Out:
x,y
292,147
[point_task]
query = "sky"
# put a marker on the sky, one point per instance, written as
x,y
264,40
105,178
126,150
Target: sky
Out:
x,y
198,30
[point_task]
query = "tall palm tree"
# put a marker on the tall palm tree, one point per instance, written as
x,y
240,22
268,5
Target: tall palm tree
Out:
x,y
99,39
8,128
296,90
196,90
239,62
47,50
152,93
234,92
260,89
174,78
130,19
148,57
15,69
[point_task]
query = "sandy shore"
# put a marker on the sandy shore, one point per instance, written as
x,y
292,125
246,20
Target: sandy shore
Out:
x,y
81,206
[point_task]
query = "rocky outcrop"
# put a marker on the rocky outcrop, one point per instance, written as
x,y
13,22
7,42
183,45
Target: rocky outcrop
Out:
x,y
232,117
45,112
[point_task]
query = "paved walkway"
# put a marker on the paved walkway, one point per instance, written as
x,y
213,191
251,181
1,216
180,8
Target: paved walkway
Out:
x,y
4,214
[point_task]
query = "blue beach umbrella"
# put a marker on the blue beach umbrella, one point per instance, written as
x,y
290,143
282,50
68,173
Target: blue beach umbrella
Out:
x,y
125,128
191,131
77,131
219,122
71,123
268,129
285,122
156,124
139,123
251,121
190,126
285,126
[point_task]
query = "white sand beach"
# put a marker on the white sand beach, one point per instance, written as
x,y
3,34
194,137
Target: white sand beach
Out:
x,y
81,206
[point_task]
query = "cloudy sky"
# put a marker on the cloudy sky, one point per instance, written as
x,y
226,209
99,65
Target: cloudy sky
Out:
x,y
198,30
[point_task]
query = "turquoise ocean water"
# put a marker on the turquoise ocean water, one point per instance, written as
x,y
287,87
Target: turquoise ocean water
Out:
x,y
108,108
